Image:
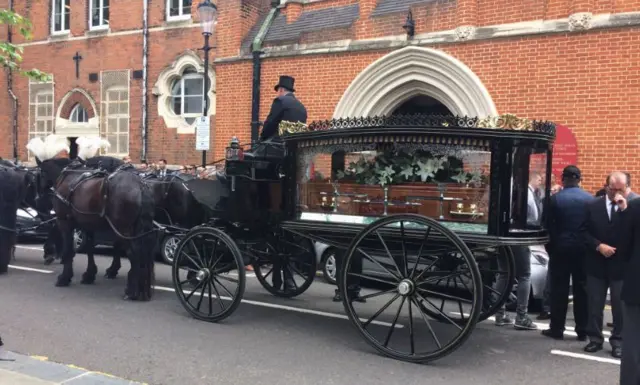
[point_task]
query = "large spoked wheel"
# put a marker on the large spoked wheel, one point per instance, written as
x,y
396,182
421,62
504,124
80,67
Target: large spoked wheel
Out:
x,y
287,266
405,255
497,269
208,274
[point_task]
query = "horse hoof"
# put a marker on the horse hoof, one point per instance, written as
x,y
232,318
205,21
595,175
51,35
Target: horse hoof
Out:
x,y
88,281
48,261
110,275
63,283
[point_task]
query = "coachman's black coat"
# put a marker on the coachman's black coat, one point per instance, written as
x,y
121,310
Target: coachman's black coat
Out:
x,y
284,108
12,190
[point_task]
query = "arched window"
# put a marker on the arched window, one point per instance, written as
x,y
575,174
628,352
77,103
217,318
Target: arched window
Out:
x,y
116,123
187,93
79,114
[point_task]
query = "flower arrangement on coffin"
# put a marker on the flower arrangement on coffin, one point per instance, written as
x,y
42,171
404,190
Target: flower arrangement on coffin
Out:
x,y
391,168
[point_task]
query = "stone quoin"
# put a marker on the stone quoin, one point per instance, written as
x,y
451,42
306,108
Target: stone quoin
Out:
x,y
574,62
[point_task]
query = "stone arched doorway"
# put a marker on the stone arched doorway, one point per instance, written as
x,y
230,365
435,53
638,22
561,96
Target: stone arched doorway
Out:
x,y
421,104
77,116
416,75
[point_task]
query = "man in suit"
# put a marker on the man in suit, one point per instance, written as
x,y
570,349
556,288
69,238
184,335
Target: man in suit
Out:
x,y
162,169
285,107
629,249
604,265
565,215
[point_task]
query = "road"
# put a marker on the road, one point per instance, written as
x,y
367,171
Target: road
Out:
x,y
297,341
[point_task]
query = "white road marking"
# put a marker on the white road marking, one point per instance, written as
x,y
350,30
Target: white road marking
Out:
x,y
30,269
570,332
290,308
29,248
75,378
586,357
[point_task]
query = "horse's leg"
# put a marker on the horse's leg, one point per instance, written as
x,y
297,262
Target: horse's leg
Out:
x,y
68,252
5,250
89,276
50,250
118,252
147,259
131,291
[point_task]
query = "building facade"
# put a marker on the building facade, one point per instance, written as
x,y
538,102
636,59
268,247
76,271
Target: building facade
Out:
x,y
574,62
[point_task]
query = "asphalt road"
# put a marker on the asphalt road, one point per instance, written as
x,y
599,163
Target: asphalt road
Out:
x,y
268,340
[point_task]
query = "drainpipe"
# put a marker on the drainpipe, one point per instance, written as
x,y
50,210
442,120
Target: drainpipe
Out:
x,y
12,95
145,80
256,50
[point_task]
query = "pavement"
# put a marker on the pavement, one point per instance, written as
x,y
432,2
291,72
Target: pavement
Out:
x,y
305,340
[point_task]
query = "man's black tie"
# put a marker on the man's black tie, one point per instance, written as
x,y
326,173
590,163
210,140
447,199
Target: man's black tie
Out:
x,y
613,211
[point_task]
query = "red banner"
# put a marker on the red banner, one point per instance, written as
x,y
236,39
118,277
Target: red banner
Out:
x,y
565,150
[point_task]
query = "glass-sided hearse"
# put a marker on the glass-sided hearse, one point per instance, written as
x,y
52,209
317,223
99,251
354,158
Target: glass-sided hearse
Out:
x,y
434,203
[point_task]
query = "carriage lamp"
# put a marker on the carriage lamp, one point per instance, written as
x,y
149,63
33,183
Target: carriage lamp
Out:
x,y
234,151
208,13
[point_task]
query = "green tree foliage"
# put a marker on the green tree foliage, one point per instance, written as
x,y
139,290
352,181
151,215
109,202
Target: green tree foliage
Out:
x,y
10,54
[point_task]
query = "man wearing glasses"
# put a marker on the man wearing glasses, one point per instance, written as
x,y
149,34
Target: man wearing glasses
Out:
x,y
604,263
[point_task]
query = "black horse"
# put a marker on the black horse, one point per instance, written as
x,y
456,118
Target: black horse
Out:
x,y
96,200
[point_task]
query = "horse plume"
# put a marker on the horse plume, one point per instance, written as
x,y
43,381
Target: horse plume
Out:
x,y
37,148
90,147
55,144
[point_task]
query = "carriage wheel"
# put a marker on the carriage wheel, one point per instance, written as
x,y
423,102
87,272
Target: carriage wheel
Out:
x,y
208,274
497,269
405,255
291,256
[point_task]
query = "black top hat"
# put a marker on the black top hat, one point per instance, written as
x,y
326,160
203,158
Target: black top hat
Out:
x,y
286,82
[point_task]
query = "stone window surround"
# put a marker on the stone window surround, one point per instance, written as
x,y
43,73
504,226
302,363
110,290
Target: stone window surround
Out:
x,y
66,30
64,125
162,89
113,149
105,23
79,112
178,18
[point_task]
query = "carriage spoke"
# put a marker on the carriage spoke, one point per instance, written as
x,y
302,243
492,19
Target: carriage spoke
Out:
x,y
201,297
425,270
426,235
384,244
227,278
405,265
393,324
195,248
380,265
368,277
411,341
373,295
218,294
382,309
426,320
295,270
438,279
213,253
210,299
447,296
222,286
194,290
268,273
422,299
192,260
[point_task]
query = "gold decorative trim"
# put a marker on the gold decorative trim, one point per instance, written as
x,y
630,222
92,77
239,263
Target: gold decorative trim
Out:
x,y
506,122
292,127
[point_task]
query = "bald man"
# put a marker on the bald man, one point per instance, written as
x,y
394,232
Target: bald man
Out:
x,y
604,264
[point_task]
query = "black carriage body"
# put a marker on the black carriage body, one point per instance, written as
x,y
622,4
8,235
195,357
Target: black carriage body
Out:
x,y
512,146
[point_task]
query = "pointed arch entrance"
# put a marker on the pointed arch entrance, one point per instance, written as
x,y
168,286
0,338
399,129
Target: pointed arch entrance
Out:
x,y
410,73
77,116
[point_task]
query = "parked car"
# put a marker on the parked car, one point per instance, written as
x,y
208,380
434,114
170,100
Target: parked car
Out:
x,y
539,265
27,222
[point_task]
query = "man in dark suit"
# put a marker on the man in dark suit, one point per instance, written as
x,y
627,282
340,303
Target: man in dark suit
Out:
x,y
604,265
566,214
285,107
629,248
162,169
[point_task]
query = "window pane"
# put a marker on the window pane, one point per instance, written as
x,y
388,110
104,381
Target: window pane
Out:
x,y
192,105
112,125
190,120
112,108
105,12
174,8
49,126
49,98
40,126
67,14
186,7
48,110
41,111
113,141
124,96
57,15
177,105
176,89
123,125
41,98
193,87
112,95
123,144
124,108
95,13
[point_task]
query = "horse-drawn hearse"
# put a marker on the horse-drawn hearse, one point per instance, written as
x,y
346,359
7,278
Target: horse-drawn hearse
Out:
x,y
434,203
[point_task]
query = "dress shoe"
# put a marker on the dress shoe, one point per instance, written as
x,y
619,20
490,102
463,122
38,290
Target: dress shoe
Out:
x,y
581,337
616,352
593,347
553,334
543,316
355,296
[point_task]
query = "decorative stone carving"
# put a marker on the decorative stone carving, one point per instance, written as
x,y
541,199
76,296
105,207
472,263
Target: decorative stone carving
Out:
x,y
580,21
465,32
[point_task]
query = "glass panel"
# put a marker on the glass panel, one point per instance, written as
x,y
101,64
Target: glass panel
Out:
x,y
124,96
67,14
528,188
112,125
363,182
95,13
113,141
41,98
186,7
123,144
41,111
190,120
105,12
193,104
112,95
41,126
123,125
112,108
174,7
193,87
49,110
176,89
57,15
124,108
49,98
177,105
49,126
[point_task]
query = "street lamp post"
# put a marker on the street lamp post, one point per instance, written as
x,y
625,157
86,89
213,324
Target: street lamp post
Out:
x,y
208,13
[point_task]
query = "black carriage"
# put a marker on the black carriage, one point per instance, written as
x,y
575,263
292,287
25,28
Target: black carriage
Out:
x,y
424,209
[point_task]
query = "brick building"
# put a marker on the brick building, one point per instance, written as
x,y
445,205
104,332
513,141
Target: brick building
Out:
x,y
575,62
